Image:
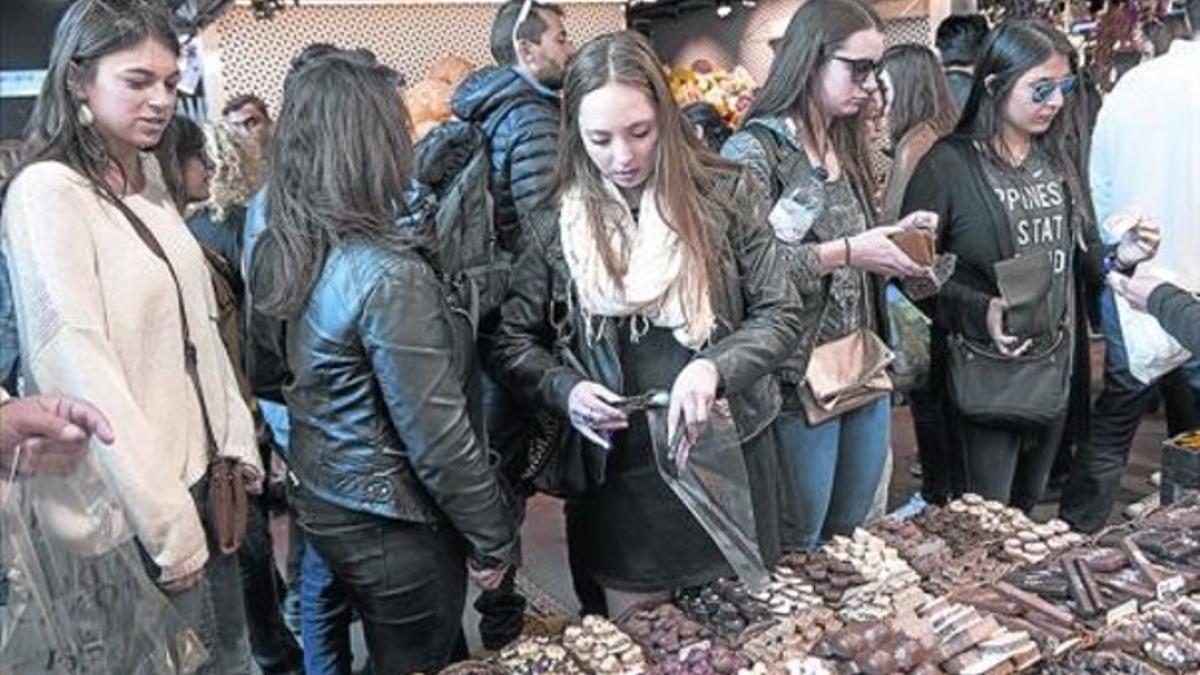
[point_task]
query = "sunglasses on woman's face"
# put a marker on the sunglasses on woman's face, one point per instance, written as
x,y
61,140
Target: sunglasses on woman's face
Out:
x,y
861,68
1043,90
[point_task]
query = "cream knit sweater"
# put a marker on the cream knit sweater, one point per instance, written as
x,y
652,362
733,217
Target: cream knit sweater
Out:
x,y
99,320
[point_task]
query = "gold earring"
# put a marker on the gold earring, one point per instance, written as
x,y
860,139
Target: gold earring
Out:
x,y
85,115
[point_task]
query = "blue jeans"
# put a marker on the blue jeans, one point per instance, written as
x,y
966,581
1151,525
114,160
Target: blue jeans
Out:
x,y
837,466
324,617
1100,460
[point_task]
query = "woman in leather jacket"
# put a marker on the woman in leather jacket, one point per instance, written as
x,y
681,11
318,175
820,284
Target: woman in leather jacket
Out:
x,y
805,137
652,272
396,491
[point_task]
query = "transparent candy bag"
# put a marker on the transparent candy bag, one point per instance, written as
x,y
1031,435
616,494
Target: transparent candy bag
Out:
x,y
74,612
715,488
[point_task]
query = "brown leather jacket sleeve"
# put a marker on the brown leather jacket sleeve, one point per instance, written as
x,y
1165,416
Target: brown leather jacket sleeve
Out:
x,y
771,325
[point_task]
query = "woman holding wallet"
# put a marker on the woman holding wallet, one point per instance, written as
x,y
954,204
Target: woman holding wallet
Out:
x,y
651,272
803,138
1010,326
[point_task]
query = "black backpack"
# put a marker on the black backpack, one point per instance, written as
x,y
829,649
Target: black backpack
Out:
x,y
454,159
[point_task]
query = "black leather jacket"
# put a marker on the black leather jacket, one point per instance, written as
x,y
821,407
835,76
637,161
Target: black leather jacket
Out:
x,y
379,412
758,316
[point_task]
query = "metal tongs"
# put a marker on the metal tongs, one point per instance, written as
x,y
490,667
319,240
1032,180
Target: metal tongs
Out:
x,y
655,398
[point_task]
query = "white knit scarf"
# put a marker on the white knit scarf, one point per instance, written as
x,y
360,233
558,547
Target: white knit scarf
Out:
x,y
659,285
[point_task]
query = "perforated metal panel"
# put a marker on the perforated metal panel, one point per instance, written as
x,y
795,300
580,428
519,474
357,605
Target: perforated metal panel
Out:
x,y
255,54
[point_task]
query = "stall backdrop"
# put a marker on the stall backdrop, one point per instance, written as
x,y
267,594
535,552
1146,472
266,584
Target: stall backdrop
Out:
x,y
246,55
686,31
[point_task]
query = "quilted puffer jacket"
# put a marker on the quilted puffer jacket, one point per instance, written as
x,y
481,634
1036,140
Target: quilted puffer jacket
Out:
x,y
524,145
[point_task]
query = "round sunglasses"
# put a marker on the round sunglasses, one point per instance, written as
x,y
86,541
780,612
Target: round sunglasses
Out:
x,y
1042,90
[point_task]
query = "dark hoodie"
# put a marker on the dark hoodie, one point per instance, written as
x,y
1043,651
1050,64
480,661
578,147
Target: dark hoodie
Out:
x,y
524,145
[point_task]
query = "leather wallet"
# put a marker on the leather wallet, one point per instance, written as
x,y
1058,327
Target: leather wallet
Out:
x,y
918,244
1024,284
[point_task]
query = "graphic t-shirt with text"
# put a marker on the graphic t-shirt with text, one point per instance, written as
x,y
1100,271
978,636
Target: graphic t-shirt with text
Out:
x,y
1033,197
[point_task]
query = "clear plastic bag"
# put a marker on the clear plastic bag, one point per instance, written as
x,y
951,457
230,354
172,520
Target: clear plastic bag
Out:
x,y
715,488
67,612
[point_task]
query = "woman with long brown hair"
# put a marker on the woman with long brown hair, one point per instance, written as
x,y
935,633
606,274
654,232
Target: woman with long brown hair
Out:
x,y
805,138
395,489
114,303
920,110
653,272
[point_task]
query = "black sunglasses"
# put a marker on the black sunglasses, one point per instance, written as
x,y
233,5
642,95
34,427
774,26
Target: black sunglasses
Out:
x,y
1044,89
861,68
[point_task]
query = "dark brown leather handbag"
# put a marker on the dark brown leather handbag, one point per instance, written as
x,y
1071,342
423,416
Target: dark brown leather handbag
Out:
x,y
227,502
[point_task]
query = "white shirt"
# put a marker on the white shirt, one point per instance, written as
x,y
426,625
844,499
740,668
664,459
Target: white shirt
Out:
x,y
1146,154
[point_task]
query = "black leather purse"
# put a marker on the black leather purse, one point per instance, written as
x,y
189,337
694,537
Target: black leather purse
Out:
x,y
1031,390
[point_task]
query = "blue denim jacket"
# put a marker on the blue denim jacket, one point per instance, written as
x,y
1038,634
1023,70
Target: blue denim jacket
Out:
x,y
10,346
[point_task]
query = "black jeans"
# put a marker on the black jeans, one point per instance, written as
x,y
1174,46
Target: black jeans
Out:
x,y
272,644
1100,459
941,470
408,582
502,610
1007,465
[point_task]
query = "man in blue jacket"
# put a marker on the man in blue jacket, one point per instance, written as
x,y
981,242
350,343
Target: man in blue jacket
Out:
x,y
517,102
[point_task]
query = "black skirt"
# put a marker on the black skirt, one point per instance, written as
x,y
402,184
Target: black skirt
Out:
x,y
636,536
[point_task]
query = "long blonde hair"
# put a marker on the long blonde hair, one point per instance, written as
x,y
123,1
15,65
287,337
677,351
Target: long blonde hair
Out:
x,y
237,172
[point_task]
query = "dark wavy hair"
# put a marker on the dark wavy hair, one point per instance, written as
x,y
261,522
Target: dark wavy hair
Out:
x,y
684,167
89,31
919,91
339,161
714,129
1012,49
183,140
813,35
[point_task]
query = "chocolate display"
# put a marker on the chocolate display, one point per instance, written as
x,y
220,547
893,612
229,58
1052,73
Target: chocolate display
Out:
x,y
726,608
706,659
1125,602
602,648
664,630
538,656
